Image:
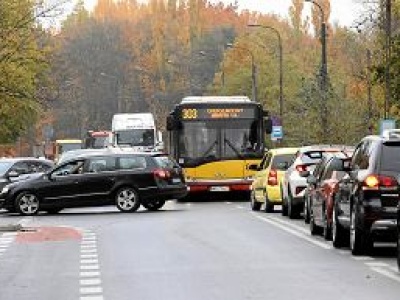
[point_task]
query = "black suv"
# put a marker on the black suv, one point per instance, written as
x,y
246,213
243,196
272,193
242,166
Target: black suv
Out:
x,y
367,198
126,180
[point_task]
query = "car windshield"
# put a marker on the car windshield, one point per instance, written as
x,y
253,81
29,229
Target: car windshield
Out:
x,y
5,166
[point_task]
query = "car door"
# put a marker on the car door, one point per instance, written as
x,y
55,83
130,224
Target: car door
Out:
x,y
98,180
323,191
314,190
64,185
261,177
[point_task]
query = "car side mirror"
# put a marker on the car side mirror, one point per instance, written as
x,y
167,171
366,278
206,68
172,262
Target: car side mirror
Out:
x,y
304,173
253,167
311,180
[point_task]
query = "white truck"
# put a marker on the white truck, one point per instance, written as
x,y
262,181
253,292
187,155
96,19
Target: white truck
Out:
x,y
136,131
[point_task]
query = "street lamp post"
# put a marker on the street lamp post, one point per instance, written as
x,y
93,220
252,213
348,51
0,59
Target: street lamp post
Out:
x,y
253,70
324,71
205,54
280,64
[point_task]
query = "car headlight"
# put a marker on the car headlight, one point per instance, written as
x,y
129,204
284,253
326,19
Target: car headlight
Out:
x,y
5,189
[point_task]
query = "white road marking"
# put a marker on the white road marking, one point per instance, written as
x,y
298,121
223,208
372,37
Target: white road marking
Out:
x,y
88,250
295,232
287,223
91,290
90,282
89,261
90,267
94,281
8,234
386,273
376,264
91,298
89,255
240,207
89,274
362,258
228,202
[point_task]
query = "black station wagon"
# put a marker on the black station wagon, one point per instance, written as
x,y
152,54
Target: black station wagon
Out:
x,y
126,180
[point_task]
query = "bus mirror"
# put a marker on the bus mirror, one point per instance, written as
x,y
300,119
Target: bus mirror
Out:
x,y
268,125
170,123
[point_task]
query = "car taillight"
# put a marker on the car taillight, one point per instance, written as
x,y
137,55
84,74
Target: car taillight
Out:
x,y
376,181
272,177
161,174
301,168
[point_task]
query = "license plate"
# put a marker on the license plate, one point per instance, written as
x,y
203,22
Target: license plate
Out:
x,y
176,180
219,189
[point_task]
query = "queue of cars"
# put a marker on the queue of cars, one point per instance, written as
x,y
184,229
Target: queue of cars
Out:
x,y
121,178
349,195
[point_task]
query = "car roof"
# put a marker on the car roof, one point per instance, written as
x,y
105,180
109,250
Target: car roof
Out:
x,y
277,151
324,147
16,159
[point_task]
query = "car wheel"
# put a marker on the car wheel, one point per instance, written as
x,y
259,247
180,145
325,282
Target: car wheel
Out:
x,y
292,211
27,204
360,243
338,233
269,207
314,229
127,200
284,203
53,211
255,206
327,230
398,249
306,212
154,205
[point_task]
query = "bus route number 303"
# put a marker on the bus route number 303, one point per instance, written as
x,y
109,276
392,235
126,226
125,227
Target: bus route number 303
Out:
x,y
189,113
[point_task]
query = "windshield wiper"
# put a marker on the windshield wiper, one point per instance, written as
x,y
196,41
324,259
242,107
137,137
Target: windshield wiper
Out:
x,y
228,142
210,149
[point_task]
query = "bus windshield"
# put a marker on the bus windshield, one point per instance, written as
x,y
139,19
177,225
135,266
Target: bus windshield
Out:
x,y
219,139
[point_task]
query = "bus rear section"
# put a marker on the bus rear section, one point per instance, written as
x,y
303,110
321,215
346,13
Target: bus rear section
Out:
x,y
215,139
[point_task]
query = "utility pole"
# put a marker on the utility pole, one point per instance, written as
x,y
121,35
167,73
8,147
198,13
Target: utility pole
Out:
x,y
369,91
388,54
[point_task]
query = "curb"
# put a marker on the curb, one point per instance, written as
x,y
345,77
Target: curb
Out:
x,y
10,227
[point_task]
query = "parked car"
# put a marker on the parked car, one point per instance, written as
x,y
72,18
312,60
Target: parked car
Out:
x,y
20,168
323,184
367,199
293,186
126,180
398,236
265,187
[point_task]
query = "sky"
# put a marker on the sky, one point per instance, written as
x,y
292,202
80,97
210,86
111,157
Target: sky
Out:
x,y
344,12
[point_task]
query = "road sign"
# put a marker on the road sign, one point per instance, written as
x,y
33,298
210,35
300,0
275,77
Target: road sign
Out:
x,y
385,124
277,133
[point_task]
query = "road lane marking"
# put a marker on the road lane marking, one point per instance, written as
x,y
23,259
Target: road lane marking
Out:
x,y
90,282
376,264
228,202
89,274
92,298
91,290
362,258
294,226
89,261
295,232
94,281
386,273
240,207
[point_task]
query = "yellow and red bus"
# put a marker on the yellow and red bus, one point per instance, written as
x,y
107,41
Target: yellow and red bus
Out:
x,y
215,138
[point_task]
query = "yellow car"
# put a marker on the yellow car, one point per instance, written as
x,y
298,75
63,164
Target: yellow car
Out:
x,y
265,188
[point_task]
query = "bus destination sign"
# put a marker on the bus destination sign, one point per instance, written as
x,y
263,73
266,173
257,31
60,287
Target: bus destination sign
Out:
x,y
217,113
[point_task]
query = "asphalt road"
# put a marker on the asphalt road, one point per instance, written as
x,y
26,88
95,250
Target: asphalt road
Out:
x,y
187,251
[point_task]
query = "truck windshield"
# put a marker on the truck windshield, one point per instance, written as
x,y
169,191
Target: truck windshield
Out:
x,y
136,137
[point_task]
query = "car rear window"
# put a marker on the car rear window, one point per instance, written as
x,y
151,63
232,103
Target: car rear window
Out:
x,y
390,158
165,162
282,161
